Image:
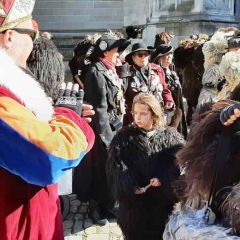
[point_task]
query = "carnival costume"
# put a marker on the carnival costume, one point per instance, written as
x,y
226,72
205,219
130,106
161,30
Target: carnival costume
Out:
x,y
213,51
104,91
230,69
177,117
210,160
135,157
150,78
39,144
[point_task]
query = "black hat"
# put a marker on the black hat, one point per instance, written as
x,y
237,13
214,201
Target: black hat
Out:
x,y
136,47
234,42
132,31
107,43
162,50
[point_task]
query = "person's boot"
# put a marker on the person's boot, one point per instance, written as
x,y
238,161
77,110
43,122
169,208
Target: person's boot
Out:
x,y
95,213
112,211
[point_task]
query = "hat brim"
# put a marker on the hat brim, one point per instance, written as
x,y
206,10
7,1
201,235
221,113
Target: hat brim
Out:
x,y
128,57
163,54
121,44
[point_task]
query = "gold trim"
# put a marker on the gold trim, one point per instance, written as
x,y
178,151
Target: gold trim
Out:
x,y
1,4
14,23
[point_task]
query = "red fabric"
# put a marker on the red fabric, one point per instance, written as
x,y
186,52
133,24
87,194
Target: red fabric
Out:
x,y
7,5
108,64
4,92
166,94
82,124
28,212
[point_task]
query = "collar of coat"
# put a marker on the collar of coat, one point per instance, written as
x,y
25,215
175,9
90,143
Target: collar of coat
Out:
x,y
26,89
154,67
100,66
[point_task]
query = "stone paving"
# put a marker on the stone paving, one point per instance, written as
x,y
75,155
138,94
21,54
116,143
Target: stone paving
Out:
x,y
78,226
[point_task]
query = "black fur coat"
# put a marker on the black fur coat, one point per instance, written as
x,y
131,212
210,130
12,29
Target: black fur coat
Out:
x,y
135,157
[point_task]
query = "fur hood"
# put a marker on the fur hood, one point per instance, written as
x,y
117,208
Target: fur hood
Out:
x,y
230,69
24,87
214,49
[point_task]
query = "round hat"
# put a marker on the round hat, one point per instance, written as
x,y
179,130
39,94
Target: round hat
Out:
x,y
136,47
106,43
162,50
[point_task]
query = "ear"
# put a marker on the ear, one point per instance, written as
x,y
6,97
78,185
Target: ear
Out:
x,y
8,39
105,54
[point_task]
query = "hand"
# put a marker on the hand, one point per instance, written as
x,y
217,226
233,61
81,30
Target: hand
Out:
x,y
70,97
87,112
140,191
230,114
169,105
155,182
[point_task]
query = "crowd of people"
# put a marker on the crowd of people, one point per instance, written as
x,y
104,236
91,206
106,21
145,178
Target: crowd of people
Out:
x,y
165,169
156,153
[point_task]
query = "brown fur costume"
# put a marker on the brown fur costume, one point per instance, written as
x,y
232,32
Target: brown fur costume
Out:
x,y
198,157
189,66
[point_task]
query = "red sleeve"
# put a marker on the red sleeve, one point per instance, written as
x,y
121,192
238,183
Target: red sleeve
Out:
x,y
81,123
166,94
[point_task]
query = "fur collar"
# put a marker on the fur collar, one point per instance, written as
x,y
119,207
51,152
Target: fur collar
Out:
x,y
24,87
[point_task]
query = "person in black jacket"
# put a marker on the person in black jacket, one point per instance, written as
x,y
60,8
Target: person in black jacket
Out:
x,y
104,91
141,169
163,57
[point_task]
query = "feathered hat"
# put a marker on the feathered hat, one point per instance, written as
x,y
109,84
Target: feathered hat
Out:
x,y
104,43
193,40
14,12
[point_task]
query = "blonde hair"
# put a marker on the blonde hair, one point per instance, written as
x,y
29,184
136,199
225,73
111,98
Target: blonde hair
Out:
x,y
153,105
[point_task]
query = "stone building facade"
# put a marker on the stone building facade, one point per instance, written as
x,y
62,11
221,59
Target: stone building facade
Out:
x,y
185,17
70,20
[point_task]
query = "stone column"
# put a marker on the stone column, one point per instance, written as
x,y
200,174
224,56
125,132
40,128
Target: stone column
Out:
x,y
231,4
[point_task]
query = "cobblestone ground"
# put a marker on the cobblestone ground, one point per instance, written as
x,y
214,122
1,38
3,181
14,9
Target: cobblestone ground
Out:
x,y
78,226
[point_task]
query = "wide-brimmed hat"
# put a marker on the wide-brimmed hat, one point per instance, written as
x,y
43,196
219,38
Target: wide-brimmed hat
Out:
x,y
233,42
106,43
139,46
162,50
14,12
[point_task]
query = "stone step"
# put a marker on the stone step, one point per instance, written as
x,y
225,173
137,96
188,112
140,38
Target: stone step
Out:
x,y
66,41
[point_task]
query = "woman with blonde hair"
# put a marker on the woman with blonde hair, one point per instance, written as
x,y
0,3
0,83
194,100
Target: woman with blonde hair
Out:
x,y
141,169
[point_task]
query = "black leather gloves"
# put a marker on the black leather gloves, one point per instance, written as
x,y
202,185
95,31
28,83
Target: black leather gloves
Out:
x,y
70,97
227,115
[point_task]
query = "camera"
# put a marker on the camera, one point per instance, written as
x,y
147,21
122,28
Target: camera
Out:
x,y
116,124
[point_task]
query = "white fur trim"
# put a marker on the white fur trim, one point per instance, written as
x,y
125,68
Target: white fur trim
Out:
x,y
230,68
214,49
24,87
190,224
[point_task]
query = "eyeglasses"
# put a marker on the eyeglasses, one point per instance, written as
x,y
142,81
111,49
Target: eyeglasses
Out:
x,y
31,32
140,55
